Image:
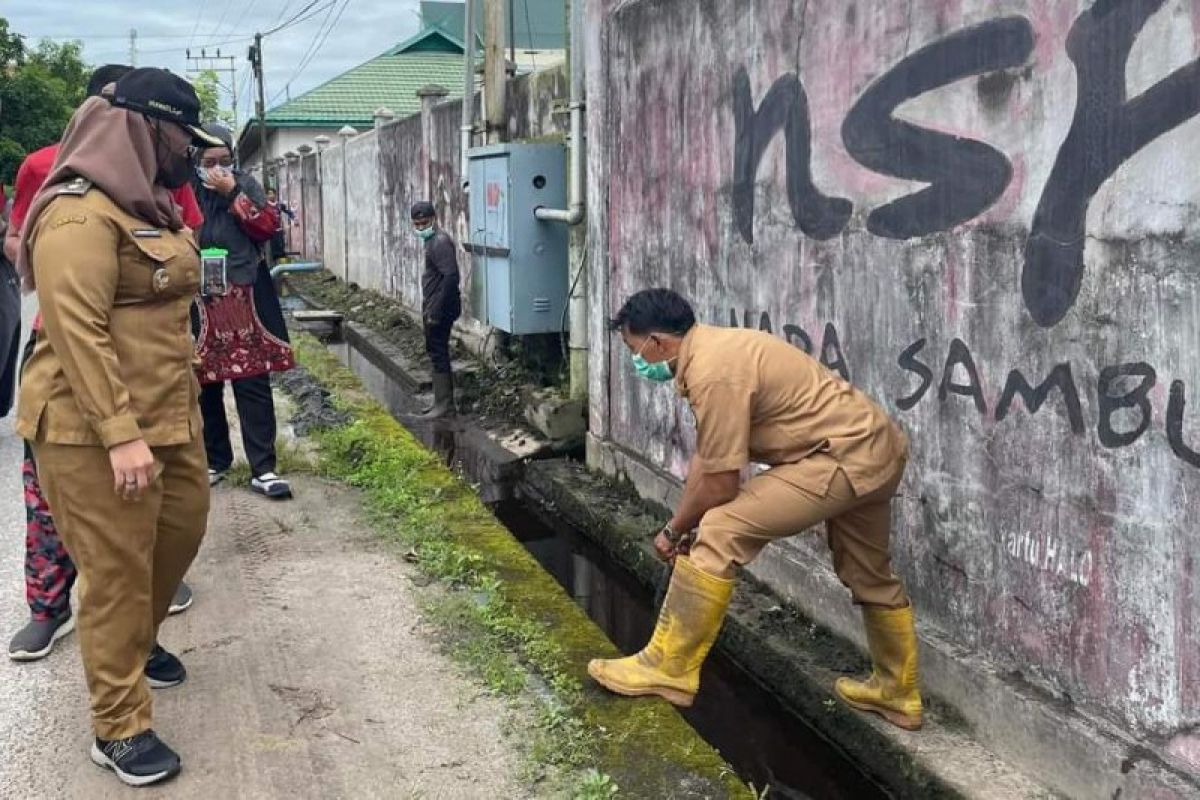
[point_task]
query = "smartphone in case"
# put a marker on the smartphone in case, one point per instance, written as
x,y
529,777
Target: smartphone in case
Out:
x,y
213,281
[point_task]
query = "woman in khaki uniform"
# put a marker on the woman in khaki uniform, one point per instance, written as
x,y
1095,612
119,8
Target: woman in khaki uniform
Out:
x,y
109,397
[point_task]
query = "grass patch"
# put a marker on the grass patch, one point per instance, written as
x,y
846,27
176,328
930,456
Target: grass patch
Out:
x,y
505,619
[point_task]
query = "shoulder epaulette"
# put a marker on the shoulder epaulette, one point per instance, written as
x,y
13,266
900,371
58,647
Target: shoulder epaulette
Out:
x,y
78,187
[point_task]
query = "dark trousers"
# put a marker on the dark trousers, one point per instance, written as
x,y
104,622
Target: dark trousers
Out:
x,y
437,345
10,333
256,412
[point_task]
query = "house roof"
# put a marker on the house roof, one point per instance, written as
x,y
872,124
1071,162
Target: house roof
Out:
x,y
390,80
538,24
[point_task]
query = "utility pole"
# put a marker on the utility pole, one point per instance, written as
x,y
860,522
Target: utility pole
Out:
x,y
512,33
133,47
495,74
218,64
261,109
261,104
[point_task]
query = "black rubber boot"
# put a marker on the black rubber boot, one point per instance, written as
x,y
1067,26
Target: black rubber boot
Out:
x,y
443,396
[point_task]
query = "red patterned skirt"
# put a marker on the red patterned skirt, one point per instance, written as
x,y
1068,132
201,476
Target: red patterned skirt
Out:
x,y
234,343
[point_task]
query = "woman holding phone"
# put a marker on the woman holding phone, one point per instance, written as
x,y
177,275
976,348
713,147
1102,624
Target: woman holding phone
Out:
x,y
238,323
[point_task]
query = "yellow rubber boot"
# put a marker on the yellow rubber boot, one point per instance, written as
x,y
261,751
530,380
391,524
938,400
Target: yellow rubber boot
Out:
x,y
669,666
892,691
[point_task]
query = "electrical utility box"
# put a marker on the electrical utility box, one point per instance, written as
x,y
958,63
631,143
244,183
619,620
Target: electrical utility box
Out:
x,y
519,263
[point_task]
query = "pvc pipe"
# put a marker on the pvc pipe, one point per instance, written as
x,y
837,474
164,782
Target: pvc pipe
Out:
x,y
296,266
573,214
468,99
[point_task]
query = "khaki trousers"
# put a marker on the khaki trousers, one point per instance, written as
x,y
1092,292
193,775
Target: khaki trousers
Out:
x,y
131,557
770,507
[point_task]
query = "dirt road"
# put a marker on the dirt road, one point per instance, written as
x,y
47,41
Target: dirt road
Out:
x,y
311,673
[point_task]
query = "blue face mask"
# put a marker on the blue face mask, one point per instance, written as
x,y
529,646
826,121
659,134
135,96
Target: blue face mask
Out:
x,y
426,233
659,372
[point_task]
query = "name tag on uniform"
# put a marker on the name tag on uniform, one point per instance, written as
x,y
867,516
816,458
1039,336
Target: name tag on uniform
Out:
x,y
147,233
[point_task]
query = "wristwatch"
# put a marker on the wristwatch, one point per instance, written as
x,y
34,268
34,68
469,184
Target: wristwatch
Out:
x,y
671,535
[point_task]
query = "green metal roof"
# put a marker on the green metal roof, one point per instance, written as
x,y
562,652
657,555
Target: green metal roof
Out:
x,y
537,24
391,80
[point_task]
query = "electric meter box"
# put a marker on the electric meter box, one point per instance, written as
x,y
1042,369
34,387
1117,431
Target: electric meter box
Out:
x,y
519,263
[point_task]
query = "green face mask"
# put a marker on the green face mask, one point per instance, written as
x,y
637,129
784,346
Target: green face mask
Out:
x,y
426,233
659,372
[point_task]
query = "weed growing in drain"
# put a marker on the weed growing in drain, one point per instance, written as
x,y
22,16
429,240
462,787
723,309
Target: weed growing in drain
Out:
x,y
487,630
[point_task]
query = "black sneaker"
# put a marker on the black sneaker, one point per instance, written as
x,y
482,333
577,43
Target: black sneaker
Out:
x,y
164,670
139,760
271,485
36,639
182,600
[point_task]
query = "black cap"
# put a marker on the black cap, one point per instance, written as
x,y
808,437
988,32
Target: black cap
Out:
x,y
218,131
422,209
159,94
103,76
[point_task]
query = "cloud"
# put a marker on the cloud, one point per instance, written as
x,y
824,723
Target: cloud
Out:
x,y
167,27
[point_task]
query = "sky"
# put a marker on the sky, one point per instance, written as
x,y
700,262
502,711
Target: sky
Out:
x,y
339,35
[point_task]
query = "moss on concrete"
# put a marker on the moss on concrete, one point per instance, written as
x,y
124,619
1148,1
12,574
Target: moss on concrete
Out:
x,y
418,501
772,639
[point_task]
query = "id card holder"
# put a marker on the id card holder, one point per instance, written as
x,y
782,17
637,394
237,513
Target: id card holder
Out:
x,y
213,282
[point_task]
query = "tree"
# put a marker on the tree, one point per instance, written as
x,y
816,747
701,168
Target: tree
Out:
x,y
39,90
208,89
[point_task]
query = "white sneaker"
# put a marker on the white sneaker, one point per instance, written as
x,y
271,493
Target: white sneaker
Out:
x,y
271,485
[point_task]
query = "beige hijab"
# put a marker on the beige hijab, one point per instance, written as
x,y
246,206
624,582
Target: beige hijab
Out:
x,y
115,150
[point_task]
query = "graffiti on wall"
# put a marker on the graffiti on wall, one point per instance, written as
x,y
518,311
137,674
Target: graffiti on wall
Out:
x,y
1123,407
964,176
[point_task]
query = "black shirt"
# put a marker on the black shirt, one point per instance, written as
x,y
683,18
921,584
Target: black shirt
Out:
x,y
439,284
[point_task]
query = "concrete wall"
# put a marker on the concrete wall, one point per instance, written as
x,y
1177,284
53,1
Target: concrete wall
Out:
x,y
1005,226
389,168
309,210
333,211
300,188
401,181
365,203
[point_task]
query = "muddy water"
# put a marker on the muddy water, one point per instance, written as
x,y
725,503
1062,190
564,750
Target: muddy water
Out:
x,y
763,740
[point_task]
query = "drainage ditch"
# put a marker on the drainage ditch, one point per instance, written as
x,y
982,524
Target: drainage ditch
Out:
x,y
765,742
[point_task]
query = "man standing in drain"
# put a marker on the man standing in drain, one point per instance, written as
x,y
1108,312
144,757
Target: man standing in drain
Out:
x,y
441,304
835,457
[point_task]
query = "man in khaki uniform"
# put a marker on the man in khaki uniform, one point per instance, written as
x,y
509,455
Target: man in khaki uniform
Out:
x,y
835,457
109,396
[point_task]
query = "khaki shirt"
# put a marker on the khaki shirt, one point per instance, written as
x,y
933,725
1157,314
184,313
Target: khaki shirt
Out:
x,y
759,399
113,361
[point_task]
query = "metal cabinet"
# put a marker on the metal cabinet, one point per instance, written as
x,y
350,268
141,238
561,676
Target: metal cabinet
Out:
x,y
519,263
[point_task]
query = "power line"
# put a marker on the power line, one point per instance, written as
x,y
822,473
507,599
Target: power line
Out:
x,y
115,48
196,25
245,11
311,44
224,13
314,48
299,17
282,10
89,36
